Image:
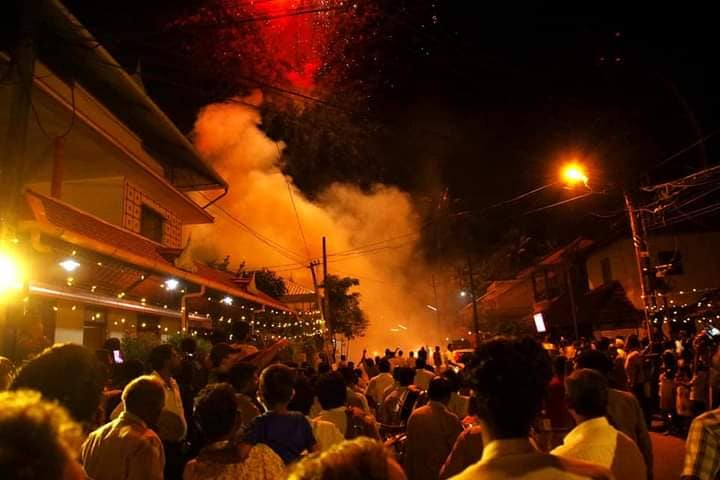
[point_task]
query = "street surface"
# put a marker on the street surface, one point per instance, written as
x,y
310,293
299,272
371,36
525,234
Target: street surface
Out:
x,y
668,454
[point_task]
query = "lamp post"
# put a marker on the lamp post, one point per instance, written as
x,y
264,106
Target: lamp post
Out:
x,y
574,173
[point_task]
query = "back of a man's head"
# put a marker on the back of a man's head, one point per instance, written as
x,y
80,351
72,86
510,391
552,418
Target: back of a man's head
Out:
x,y
144,397
276,385
510,378
586,391
188,345
440,390
331,391
595,360
242,377
216,411
240,331
384,365
405,376
38,439
160,356
69,374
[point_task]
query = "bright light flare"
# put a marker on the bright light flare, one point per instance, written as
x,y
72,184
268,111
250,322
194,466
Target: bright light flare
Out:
x,y
574,173
463,294
12,274
171,284
432,307
227,300
69,265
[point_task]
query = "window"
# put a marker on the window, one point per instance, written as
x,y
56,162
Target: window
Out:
x,y
151,224
94,328
606,271
670,262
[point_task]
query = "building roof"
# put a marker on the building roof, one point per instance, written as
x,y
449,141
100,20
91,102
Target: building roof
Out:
x,y
72,51
60,220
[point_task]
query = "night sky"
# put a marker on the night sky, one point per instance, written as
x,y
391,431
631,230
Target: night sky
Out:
x,y
484,102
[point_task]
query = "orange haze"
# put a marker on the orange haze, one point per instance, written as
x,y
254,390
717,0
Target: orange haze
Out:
x,y
394,283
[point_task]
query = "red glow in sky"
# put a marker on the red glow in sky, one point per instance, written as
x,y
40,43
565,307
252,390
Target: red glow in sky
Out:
x,y
296,40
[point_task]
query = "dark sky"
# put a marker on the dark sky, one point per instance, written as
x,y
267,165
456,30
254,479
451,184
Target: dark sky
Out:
x,y
487,101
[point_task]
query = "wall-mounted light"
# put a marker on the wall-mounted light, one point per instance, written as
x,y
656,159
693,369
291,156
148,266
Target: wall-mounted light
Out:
x,y
69,265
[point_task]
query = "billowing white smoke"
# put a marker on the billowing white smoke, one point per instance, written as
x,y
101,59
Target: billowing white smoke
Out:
x,y
394,283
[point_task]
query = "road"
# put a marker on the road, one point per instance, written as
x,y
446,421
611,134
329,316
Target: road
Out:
x,y
668,454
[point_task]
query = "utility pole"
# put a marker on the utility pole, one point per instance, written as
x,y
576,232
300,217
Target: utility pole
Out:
x,y
642,258
476,325
325,305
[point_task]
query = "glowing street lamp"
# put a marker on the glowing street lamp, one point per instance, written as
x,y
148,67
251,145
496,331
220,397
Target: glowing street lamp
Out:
x,y
12,274
574,173
69,265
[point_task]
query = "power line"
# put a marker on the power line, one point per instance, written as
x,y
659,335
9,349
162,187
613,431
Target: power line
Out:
x,y
286,252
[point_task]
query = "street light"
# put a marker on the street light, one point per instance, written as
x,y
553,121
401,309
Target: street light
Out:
x,y
12,274
574,173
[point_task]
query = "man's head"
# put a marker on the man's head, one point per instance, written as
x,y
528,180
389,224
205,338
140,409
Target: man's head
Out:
x,y
384,365
400,353
586,391
510,377
405,376
276,385
331,391
437,348
216,411
369,362
559,364
596,360
38,439
240,331
222,357
243,376
69,374
343,358
440,390
348,375
454,378
164,358
188,345
358,459
633,342
144,397
323,368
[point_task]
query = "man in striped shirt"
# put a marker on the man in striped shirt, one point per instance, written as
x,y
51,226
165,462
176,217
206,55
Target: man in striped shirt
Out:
x,y
702,449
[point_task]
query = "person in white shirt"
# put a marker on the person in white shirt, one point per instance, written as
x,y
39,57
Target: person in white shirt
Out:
x,y
378,384
164,361
127,448
422,375
594,440
510,382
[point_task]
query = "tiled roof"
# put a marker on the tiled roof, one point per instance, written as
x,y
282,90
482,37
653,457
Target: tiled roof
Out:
x,y
62,215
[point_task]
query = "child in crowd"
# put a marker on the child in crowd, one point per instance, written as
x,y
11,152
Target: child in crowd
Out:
x,y
667,398
289,434
683,405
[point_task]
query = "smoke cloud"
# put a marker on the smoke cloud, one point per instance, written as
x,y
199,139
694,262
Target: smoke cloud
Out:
x,y
371,236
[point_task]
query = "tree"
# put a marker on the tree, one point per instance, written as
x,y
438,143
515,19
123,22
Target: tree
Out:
x,y
344,312
270,283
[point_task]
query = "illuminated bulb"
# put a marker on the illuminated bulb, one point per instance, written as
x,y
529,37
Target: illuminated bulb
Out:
x,y
73,308
227,300
171,284
69,265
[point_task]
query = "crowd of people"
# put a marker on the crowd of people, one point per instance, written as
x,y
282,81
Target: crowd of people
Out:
x,y
515,408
